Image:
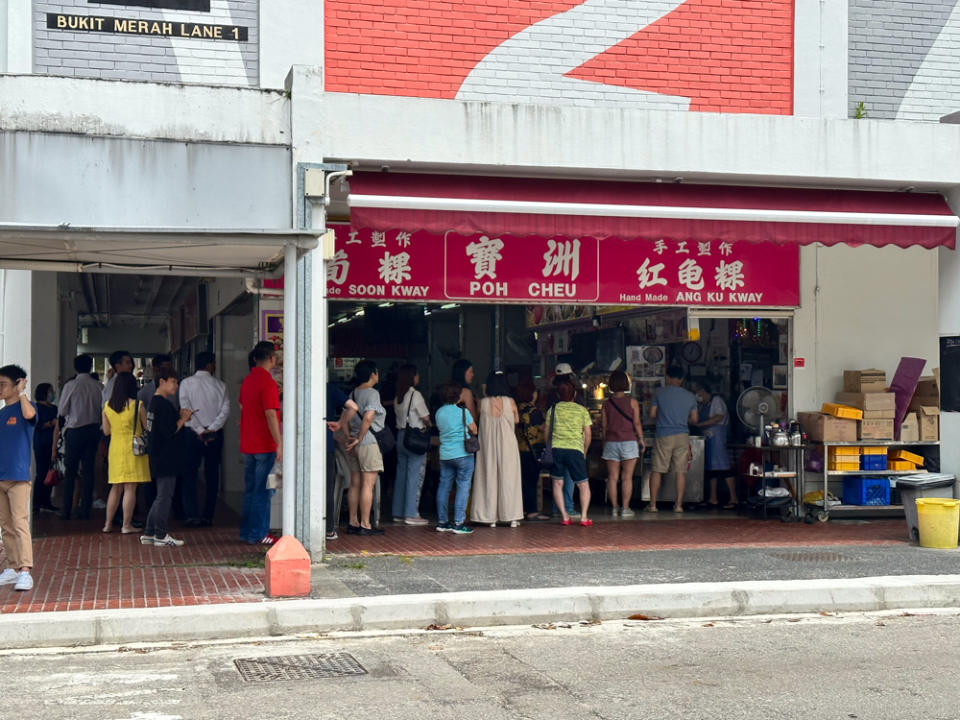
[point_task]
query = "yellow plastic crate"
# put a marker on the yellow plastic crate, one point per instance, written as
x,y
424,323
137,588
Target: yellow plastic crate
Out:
x,y
844,412
874,451
841,466
901,465
852,451
906,455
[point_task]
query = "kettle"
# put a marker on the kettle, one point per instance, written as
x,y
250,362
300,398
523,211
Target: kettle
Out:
x,y
779,439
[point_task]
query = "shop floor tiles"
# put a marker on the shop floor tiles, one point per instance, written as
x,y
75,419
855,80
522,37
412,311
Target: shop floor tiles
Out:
x,y
663,531
76,567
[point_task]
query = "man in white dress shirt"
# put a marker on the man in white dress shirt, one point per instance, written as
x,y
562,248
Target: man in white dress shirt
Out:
x,y
207,396
80,408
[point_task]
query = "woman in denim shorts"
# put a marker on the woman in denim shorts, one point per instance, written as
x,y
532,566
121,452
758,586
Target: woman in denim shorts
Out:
x,y
622,442
568,427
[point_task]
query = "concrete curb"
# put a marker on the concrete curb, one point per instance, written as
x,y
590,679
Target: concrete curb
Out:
x,y
480,608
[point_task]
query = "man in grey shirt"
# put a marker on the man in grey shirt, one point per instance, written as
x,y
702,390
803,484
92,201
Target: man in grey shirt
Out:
x,y
80,408
674,409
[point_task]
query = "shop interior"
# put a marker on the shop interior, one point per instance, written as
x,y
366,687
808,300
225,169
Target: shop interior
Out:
x,y
743,358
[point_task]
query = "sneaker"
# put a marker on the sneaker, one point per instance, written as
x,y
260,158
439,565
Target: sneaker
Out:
x,y
514,523
575,515
99,504
332,535
461,529
627,512
24,581
614,511
444,527
167,542
147,539
267,539
8,577
416,521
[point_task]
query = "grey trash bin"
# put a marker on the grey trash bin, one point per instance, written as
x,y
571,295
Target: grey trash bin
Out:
x,y
924,485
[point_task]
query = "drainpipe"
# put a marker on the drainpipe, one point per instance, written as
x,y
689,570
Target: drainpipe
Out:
x,y
3,315
289,434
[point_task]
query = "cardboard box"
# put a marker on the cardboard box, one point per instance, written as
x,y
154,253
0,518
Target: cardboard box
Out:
x,y
875,430
879,414
864,381
869,402
929,423
927,394
910,429
824,428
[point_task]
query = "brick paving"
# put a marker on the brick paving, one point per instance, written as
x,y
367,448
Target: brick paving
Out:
x,y
80,568
645,532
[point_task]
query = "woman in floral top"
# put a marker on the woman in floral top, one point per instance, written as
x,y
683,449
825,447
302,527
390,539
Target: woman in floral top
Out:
x,y
530,440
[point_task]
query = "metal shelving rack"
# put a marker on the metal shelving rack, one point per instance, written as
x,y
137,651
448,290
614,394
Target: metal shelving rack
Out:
x,y
823,514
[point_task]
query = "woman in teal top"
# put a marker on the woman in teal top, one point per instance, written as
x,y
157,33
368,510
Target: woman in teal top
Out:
x,y
456,464
568,427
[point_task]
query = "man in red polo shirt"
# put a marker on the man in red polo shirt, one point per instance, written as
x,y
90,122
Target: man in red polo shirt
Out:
x,y
259,443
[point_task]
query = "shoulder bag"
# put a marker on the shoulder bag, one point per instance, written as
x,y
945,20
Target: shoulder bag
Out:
x,y
546,457
617,408
415,440
384,437
471,443
140,444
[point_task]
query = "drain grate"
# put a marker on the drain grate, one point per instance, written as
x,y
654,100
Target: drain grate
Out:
x,y
299,667
809,556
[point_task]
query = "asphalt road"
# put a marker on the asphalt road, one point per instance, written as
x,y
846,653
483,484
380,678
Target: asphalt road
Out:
x,y
895,666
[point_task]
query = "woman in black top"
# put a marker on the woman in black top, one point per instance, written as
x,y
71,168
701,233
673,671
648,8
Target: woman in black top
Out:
x,y
163,424
44,446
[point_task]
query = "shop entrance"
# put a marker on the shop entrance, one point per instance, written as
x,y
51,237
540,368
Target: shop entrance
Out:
x,y
725,355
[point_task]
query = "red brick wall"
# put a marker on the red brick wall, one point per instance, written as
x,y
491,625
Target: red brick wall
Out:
x,y
724,55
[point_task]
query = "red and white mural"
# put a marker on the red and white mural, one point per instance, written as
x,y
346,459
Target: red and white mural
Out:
x,y
699,55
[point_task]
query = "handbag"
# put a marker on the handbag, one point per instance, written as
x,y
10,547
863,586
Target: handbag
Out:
x,y
384,437
141,445
546,457
471,443
53,476
415,440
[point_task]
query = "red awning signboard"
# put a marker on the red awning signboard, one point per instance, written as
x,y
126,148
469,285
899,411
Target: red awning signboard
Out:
x,y
400,265
645,210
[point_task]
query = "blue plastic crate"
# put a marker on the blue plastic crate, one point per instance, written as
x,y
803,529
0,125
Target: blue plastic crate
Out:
x,y
866,491
873,462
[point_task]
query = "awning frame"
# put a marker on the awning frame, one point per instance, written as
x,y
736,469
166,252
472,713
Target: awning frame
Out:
x,y
72,238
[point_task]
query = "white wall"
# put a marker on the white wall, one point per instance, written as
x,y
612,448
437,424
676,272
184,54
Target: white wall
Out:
x,y
285,42
597,142
16,48
820,59
16,321
861,308
110,182
144,110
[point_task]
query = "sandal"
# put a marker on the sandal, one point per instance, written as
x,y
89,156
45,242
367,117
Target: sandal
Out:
x,y
730,506
106,529
586,523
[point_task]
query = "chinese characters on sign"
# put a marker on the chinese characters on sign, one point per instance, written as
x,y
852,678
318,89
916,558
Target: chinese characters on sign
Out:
x,y
427,266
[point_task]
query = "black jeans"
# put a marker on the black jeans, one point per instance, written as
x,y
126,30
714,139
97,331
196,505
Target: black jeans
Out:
x,y
41,492
81,452
210,453
158,518
530,481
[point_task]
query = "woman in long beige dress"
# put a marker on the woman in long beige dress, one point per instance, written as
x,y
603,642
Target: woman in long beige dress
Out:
x,y
497,495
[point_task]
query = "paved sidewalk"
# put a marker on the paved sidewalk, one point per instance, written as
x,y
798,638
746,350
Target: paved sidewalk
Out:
x,y
80,568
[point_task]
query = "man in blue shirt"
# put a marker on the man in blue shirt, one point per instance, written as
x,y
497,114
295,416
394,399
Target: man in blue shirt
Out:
x,y
18,418
674,409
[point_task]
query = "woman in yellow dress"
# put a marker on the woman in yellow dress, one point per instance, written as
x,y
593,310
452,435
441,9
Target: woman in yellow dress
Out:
x,y
126,470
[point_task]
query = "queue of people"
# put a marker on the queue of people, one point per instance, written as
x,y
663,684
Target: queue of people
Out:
x,y
491,449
